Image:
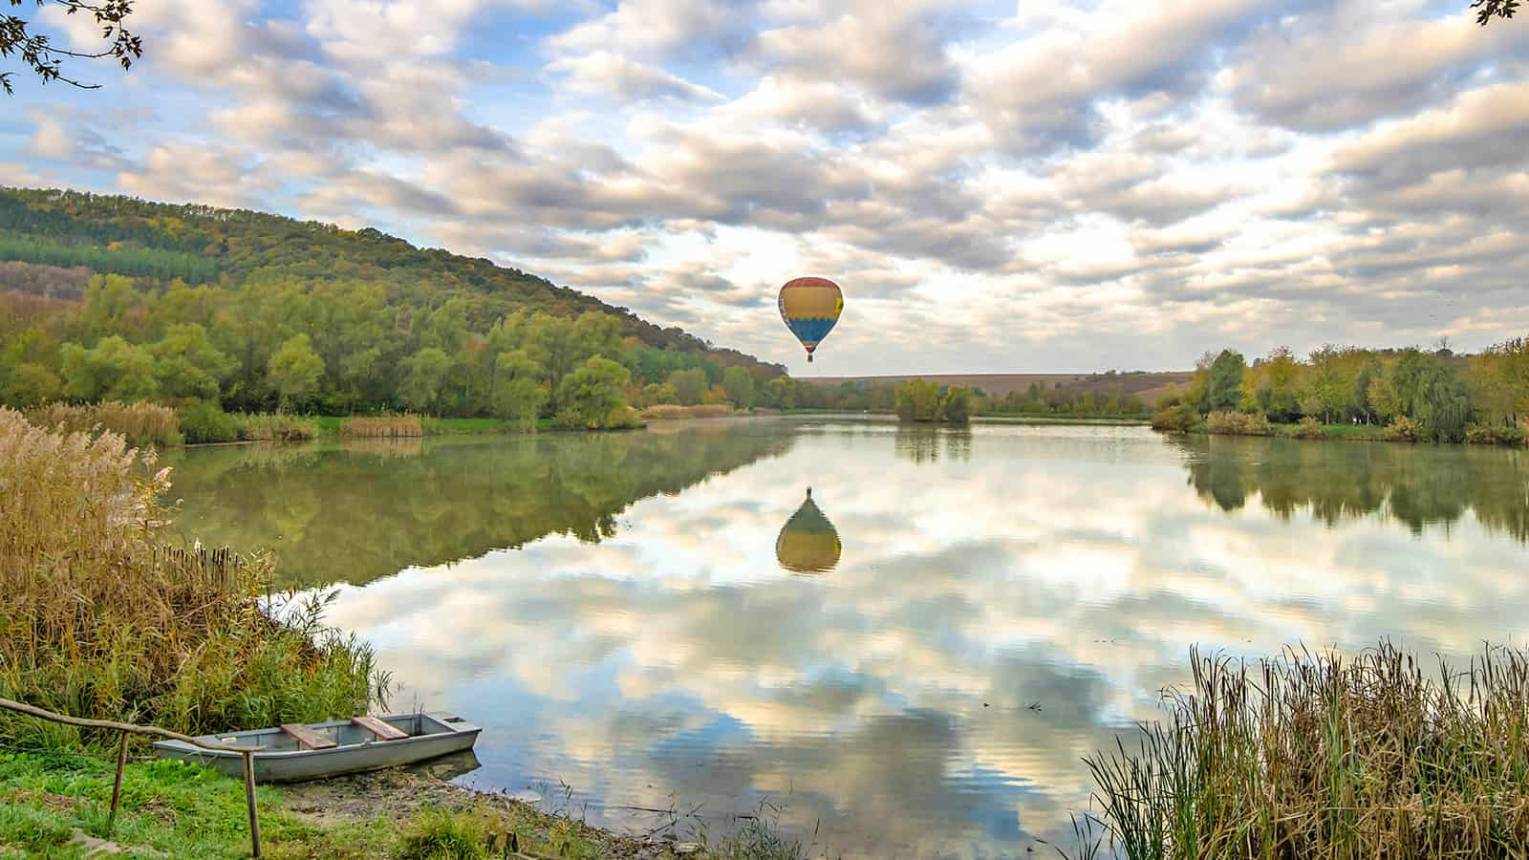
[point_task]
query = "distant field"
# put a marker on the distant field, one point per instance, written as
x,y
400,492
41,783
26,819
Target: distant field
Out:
x,y
1147,386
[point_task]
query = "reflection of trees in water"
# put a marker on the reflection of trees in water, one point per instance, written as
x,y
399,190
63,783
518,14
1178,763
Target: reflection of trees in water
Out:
x,y
334,514
921,443
1416,484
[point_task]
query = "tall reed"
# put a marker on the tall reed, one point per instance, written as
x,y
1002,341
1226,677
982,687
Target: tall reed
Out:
x,y
382,427
101,615
662,411
139,423
1323,756
259,427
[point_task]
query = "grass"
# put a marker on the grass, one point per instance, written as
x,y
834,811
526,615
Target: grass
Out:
x,y
141,424
181,810
382,427
333,425
1322,756
102,615
278,427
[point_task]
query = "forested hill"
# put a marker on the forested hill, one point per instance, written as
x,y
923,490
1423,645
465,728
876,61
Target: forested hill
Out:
x,y
87,268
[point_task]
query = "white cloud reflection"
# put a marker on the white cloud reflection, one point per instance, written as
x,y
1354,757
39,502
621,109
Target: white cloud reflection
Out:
x,y
675,662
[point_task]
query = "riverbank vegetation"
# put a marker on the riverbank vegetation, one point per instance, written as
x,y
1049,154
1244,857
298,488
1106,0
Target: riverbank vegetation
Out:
x,y
1058,397
1325,756
114,299
921,401
103,614
1406,395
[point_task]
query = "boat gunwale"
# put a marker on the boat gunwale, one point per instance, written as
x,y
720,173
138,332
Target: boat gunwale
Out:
x,y
458,728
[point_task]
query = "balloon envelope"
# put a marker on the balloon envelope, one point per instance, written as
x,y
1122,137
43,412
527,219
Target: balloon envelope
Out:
x,y
808,542
810,307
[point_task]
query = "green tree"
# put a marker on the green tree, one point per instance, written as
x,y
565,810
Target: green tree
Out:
x,y
739,385
958,405
1271,386
295,370
111,370
32,383
689,385
1224,381
1432,393
780,392
918,400
187,364
592,394
655,394
519,396
424,371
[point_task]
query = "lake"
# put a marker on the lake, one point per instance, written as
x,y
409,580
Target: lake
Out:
x,y
655,625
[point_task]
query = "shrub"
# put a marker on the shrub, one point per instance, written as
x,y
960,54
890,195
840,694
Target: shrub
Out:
x,y
438,834
1402,429
139,423
1237,423
204,422
1176,419
276,428
103,616
1308,428
383,426
1495,434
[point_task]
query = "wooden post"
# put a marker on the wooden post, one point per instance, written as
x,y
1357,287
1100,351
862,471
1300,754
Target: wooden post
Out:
x,y
249,797
116,786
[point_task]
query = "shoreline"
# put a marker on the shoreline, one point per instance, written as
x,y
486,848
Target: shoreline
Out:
x,y
57,801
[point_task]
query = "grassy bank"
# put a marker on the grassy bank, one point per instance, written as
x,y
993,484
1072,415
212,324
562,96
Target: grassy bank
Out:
x,y
1321,756
50,802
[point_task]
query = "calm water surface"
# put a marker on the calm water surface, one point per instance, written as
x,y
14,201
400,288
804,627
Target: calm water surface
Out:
x,y
916,667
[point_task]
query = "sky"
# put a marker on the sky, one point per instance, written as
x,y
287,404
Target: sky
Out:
x,y
1040,186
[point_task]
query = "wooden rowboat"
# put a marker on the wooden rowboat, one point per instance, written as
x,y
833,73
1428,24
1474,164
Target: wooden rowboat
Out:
x,y
292,753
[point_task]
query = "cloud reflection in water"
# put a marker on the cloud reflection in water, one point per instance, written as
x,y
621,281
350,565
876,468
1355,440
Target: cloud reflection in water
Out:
x,y
1008,607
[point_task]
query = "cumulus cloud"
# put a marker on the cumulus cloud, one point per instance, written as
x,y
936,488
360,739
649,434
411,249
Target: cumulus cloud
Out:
x,y
1196,171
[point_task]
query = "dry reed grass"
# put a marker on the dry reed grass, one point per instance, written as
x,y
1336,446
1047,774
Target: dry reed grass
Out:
x,y
1322,756
382,427
276,428
663,411
100,616
139,423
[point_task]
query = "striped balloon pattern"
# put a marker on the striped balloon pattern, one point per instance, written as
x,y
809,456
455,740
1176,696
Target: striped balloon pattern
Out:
x,y
810,307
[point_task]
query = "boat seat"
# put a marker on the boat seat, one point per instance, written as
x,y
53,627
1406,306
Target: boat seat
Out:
x,y
382,730
308,738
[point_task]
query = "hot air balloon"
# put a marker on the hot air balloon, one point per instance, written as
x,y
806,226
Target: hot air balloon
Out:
x,y
810,307
808,542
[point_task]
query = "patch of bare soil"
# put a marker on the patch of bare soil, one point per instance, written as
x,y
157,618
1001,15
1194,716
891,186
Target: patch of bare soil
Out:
x,y
398,793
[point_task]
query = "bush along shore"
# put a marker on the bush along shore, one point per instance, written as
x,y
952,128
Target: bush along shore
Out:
x,y
1323,756
103,615
1406,395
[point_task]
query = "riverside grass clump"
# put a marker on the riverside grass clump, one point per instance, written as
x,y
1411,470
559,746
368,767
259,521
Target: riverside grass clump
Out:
x,y
665,411
258,427
1233,423
1326,757
103,615
141,424
406,426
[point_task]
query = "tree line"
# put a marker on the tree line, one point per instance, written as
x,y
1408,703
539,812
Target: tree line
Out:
x,y
341,348
257,313
1413,394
